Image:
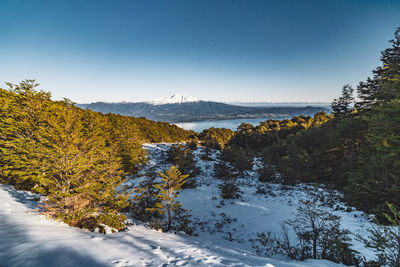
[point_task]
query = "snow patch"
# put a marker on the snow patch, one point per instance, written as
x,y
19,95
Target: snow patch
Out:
x,y
175,99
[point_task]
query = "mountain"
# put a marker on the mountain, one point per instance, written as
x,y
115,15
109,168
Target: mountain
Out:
x,y
184,108
175,99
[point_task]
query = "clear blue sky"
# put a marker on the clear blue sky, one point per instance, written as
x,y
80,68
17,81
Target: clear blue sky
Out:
x,y
214,50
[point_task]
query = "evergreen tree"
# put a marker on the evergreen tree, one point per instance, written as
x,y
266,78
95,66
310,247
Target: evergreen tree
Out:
x,y
374,89
266,173
238,157
342,105
376,178
229,188
169,188
22,115
182,156
144,199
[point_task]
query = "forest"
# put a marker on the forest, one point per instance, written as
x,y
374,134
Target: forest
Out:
x,y
354,149
75,157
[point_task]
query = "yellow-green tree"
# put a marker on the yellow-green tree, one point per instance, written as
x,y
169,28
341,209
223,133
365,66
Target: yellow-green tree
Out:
x,y
171,184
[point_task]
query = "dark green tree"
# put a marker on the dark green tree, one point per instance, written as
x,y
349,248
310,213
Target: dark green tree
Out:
x,y
342,105
169,188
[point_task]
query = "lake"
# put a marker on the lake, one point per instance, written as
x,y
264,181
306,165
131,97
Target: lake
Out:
x,y
199,126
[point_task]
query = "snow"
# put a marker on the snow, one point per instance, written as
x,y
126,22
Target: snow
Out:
x,y
175,99
224,229
239,221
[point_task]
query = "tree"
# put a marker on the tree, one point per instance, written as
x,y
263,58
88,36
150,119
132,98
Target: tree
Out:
x,y
229,188
22,109
215,138
342,105
238,158
144,198
376,178
319,235
266,173
385,240
77,158
59,150
374,91
182,156
80,171
125,137
169,188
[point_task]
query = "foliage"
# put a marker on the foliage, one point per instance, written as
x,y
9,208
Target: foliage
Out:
x,y
143,199
229,188
182,156
318,236
237,157
356,150
266,173
222,169
77,158
385,240
342,105
215,138
176,217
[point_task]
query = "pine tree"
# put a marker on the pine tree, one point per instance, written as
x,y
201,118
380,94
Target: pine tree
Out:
x,y
23,108
182,156
81,170
342,105
169,188
125,137
374,89
376,178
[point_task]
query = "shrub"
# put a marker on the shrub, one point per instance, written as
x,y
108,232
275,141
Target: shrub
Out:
x,y
229,189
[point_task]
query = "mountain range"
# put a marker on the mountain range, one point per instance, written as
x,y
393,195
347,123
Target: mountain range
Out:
x,y
184,108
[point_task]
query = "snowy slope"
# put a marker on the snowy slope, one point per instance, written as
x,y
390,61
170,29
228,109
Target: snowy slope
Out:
x,y
29,239
224,229
238,221
175,99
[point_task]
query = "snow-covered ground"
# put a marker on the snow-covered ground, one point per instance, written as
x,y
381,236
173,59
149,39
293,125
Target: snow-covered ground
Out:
x,y
239,221
224,229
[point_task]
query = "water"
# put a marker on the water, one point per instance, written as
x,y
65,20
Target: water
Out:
x,y
199,126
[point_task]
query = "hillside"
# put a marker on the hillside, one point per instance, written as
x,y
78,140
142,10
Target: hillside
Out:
x,y
196,110
224,229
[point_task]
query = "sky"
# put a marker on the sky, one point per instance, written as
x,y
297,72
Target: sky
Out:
x,y
250,51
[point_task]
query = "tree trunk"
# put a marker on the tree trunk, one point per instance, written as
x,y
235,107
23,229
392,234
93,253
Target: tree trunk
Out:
x,y
314,248
169,218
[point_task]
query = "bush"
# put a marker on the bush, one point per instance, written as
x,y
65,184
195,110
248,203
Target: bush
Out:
x,y
318,236
267,174
113,220
222,170
88,222
182,156
229,189
385,240
238,158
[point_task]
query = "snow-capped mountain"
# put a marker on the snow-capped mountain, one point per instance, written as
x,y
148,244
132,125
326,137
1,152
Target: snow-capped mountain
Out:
x,y
183,108
175,99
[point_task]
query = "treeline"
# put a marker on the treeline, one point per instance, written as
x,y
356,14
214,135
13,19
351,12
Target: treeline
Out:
x,y
76,158
356,149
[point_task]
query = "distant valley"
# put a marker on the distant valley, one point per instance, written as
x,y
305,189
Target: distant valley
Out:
x,y
183,108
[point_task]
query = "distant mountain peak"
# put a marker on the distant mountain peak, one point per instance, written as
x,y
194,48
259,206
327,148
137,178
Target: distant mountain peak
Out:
x,y
175,99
